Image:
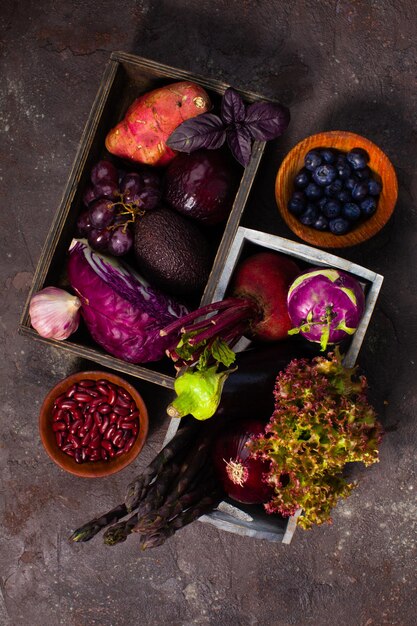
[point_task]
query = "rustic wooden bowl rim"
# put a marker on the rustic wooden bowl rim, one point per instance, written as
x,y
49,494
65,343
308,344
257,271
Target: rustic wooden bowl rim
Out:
x,y
93,469
344,140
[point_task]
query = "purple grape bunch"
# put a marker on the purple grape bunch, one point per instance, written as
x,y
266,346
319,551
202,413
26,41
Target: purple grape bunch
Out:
x,y
335,190
113,200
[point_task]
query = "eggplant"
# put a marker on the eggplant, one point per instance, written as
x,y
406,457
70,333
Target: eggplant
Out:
x,y
248,392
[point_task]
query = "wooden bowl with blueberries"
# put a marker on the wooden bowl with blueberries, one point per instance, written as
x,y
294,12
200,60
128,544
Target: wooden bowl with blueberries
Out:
x,y
336,189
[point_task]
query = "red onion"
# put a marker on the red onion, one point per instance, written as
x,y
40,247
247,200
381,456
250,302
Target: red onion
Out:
x,y
241,475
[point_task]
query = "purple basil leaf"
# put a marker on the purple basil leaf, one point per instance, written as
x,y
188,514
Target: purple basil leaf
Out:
x,y
240,143
233,108
204,131
266,120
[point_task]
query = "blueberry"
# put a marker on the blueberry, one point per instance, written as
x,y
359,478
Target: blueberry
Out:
x,y
309,216
302,179
360,190
374,187
357,158
351,211
368,206
313,191
327,155
350,183
344,195
320,204
363,174
297,203
342,167
334,188
339,226
312,160
332,209
321,223
324,174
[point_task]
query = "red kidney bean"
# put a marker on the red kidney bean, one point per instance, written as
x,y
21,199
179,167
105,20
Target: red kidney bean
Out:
x,y
71,390
95,402
67,418
84,454
121,401
67,403
82,431
131,416
77,414
126,425
113,418
95,442
74,440
86,382
85,441
120,451
57,415
69,451
98,420
121,410
104,455
126,395
89,421
106,445
129,444
94,393
75,426
58,426
102,387
105,425
135,430
78,456
111,396
110,431
104,408
117,438
58,438
94,454
82,396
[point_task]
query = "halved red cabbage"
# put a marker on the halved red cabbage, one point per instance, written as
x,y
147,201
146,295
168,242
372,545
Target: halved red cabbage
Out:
x,y
121,310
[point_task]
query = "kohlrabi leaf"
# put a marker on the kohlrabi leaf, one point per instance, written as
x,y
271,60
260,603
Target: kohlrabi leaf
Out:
x,y
184,349
203,131
222,353
233,108
266,120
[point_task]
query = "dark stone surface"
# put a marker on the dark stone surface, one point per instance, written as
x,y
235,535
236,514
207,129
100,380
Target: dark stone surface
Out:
x,y
346,64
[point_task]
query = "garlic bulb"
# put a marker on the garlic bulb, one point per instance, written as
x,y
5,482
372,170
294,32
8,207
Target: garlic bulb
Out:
x,y
54,313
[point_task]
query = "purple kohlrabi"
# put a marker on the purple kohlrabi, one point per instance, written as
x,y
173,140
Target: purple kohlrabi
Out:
x,y
325,305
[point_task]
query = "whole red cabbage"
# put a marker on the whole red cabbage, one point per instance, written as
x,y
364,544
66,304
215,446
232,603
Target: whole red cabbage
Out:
x,y
122,312
325,305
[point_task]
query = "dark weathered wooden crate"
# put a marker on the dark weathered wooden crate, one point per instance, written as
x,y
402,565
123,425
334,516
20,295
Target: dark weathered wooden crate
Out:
x,y
252,520
126,77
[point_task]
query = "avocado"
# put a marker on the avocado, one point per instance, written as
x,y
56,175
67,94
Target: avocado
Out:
x,y
172,252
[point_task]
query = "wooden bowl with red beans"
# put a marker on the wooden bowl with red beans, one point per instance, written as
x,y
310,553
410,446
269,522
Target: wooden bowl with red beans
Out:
x,y
93,424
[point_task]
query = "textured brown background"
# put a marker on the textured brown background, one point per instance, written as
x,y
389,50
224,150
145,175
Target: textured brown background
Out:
x,y
341,64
